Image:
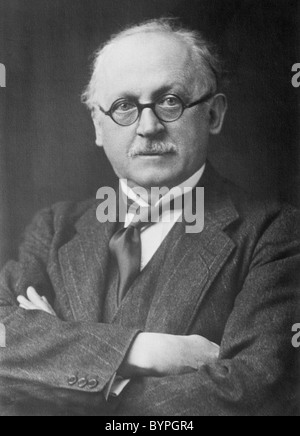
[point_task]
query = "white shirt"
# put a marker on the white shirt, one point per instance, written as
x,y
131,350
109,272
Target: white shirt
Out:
x,y
151,239
153,236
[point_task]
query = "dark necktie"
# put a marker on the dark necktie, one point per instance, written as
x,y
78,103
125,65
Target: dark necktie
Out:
x,y
125,246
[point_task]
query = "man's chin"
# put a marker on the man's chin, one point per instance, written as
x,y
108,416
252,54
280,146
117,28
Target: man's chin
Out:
x,y
150,179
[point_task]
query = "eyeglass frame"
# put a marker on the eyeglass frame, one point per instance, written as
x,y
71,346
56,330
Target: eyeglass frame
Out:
x,y
141,107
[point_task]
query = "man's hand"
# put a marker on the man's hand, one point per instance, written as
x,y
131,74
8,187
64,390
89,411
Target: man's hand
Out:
x,y
161,355
152,354
35,302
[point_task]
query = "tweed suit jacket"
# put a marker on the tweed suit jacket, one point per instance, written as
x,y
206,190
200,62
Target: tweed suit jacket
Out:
x,y
236,284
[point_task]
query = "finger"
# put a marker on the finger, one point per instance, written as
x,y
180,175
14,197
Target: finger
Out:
x,y
35,303
51,311
34,298
22,300
47,303
30,306
37,300
27,308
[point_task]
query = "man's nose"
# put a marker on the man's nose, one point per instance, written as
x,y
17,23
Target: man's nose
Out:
x,y
149,124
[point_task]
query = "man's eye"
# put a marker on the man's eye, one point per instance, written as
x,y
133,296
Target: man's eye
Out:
x,y
169,101
124,107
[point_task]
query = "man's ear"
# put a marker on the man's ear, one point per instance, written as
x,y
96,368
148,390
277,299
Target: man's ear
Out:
x,y
217,113
98,127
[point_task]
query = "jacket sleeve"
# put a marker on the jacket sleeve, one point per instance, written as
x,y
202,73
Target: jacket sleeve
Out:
x,y
43,349
256,373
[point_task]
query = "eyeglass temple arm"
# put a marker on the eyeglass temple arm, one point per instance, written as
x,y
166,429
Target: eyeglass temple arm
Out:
x,y
105,112
203,99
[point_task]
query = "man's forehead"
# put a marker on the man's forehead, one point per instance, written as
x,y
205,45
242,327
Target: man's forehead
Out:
x,y
156,60
147,45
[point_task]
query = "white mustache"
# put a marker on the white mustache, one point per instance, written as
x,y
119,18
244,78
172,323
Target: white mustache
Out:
x,y
155,147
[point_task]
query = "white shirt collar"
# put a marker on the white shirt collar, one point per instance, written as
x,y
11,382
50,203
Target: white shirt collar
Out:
x,y
175,192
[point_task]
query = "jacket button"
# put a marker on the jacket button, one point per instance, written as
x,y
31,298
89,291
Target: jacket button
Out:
x,y
82,383
93,383
72,380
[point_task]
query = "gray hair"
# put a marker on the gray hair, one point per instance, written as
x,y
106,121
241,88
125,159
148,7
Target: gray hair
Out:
x,y
204,54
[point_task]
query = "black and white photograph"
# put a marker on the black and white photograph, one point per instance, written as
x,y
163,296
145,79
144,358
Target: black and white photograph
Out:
x,y
149,210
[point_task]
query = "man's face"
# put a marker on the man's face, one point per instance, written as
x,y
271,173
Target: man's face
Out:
x,y
150,152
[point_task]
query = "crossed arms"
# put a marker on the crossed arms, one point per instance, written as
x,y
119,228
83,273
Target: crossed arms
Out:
x,y
252,374
151,354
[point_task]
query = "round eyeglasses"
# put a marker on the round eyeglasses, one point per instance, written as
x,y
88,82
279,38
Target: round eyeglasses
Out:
x,y
168,108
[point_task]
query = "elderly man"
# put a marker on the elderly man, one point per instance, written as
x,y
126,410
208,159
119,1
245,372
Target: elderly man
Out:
x,y
150,318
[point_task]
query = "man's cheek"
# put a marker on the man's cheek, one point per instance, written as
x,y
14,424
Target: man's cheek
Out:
x,y
118,139
113,146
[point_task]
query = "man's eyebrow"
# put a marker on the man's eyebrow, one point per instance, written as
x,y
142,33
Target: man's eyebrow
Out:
x,y
171,88
166,89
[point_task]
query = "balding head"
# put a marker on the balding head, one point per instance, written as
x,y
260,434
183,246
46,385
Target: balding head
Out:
x,y
201,60
145,60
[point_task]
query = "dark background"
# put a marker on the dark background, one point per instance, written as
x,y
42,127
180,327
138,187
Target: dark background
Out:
x,y
47,150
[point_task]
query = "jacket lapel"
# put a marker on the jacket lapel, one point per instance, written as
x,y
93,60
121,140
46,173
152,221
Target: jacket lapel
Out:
x,y
84,264
194,261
